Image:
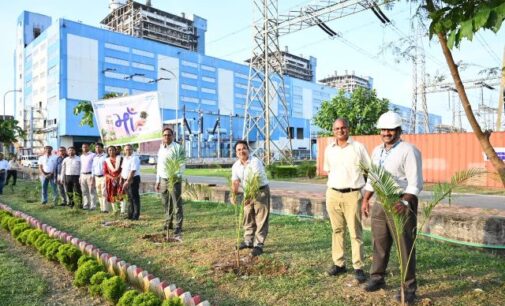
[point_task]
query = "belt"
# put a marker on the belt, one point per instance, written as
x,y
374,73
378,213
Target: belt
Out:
x,y
98,175
85,172
346,190
263,187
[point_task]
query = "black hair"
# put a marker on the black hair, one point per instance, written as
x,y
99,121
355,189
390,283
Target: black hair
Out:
x,y
241,142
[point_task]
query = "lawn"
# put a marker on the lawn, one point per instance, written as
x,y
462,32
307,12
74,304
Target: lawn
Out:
x,y
292,270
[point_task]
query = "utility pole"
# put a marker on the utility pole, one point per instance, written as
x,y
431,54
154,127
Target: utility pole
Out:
x,y
501,96
200,132
231,135
218,135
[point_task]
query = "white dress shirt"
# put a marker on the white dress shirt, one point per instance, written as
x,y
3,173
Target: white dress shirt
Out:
x,y
343,164
404,162
48,163
130,163
98,161
241,171
163,153
4,165
71,165
87,162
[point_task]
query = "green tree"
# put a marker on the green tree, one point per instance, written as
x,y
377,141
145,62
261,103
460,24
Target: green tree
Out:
x,y
10,132
452,21
362,109
86,109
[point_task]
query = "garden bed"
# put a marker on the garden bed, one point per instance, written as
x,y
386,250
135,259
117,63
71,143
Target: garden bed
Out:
x,y
290,272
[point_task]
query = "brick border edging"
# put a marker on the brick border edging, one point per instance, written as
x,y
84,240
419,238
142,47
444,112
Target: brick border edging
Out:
x,y
136,276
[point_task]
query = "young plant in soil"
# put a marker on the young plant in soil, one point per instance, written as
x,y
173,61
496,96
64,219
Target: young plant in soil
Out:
x,y
388,193
174,167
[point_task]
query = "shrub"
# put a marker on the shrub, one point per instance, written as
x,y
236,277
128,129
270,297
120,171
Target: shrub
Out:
x,y
127,298
286,171
173,301
5,222
83,259
306,169
86,271
52,250
146,299
40,242
23,237
13,221
4,214
32,237
68,255
96,281
113,288
19,228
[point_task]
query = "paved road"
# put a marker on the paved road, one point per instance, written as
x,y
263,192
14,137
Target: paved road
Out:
x,y
464,200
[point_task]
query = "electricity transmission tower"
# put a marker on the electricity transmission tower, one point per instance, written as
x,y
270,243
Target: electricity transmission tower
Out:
x,y
418,60
266,109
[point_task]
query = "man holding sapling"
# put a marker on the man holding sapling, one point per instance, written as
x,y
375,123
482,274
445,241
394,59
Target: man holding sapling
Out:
x,y
403,161
342,159
246,173
169,171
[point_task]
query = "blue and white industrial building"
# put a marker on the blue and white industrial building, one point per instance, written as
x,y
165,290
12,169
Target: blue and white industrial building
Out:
x,y
61,62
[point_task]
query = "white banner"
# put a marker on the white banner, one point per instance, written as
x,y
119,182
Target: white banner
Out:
x,y
130,119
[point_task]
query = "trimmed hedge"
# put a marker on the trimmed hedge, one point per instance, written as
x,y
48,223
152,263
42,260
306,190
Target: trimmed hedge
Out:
x,y
33,236
83,259
52,250
23,237
84,273
19,228
95,288
146,299
113,288
68,255
173,301
127,298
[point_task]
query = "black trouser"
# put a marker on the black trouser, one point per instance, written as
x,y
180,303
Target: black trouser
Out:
x,y
172,206
382,233
134,199
74,192
14,174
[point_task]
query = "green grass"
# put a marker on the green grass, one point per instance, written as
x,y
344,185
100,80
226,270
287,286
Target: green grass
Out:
x,y
292,270
18,284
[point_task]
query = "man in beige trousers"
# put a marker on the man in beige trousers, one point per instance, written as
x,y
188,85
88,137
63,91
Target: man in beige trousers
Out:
x,y
342,159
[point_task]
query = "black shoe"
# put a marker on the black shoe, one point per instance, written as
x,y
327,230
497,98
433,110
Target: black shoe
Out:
x,y
336,270
359,275
168,227
245,245
257,251
374,285
409,297
178,231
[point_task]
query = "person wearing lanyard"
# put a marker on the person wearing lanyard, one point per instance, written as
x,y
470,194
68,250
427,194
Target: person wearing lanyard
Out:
x,y
342,159
130,181
403,161
256,213
172,206
47,166
86,179
98,176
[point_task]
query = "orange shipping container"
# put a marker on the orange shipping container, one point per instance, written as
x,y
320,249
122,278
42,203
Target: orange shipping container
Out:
x,y
443,154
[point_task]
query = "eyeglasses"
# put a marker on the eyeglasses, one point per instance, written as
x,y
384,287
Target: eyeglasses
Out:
x,y
167,135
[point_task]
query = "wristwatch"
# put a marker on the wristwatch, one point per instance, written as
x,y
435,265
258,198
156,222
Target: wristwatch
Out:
x,y
404,202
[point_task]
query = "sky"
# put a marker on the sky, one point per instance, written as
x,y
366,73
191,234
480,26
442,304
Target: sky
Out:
x,y
365,46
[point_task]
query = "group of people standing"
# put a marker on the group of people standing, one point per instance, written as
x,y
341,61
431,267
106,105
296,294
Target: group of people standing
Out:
x,y
92,178
8,169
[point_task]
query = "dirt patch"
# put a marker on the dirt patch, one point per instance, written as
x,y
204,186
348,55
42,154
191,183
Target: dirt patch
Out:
x,y
162,238
250,265
59,281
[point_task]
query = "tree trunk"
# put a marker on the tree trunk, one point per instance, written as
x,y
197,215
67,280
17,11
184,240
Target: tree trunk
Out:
x,y
482,137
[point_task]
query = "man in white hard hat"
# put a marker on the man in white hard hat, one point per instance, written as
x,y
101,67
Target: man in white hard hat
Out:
x,y
342,159
403,161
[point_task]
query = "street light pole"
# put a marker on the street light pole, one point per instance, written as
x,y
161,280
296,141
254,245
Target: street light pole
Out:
x,y
176,101
5,94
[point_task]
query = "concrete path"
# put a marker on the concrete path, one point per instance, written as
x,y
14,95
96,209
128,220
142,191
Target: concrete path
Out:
x,y
318,190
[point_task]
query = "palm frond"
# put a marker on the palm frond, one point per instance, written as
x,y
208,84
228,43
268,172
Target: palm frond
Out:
x,y
387,190
174,164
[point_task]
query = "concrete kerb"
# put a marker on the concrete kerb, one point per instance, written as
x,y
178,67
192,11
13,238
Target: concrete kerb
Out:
x,y
131,273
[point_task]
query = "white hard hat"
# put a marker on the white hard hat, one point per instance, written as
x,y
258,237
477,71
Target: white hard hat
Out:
x,y
389,120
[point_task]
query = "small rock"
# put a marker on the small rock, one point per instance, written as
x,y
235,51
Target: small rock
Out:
x,y
426,302
478,290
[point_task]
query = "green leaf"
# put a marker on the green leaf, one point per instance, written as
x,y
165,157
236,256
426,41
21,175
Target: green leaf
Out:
x,y
466,30
481,18
451,39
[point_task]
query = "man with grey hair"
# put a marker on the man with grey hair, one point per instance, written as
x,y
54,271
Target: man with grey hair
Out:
x,y
342,159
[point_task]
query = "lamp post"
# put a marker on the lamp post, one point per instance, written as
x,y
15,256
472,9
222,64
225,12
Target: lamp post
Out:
x,y
5,94
176,100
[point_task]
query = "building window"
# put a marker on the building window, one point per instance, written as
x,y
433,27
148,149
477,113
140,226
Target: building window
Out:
x,y
142,53
117,61
291,131
207,79
299,133
208,90
36,32
208,68
189,64
117,47
208,102
189,75
189,87
143,66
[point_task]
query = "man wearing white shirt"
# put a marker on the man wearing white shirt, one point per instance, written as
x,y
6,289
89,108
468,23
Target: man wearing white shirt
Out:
x,y
4,166
47,166
98,175
342,159
86,178
130,180
69,175
403,161
172,206
257,211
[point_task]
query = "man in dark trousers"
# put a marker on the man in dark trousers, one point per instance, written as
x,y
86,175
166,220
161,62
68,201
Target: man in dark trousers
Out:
x,y
403,161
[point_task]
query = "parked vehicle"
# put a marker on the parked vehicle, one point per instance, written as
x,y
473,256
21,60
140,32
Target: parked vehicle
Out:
x,y
144,159
31,161
153,160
